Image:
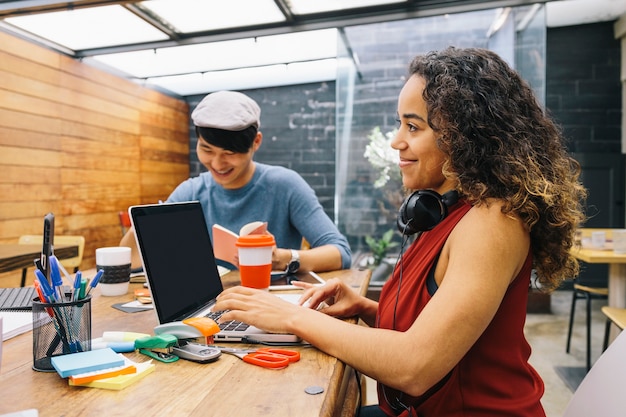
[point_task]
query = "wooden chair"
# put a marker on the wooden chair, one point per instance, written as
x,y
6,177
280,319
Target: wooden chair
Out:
x,y
601,392
71,264
613,315
589,294
125,223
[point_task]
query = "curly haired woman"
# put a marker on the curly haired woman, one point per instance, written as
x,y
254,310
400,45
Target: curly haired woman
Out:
x,y
447,336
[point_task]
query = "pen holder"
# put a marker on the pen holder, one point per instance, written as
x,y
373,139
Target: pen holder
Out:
x,y
59,329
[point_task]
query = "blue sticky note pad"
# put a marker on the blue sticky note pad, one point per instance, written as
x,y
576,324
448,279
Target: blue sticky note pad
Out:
x,y
81,362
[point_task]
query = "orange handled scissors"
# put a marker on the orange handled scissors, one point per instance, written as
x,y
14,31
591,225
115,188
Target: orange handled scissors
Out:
x,y
272,358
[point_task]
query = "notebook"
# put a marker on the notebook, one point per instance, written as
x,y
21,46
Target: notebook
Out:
x,y
181,271
18,298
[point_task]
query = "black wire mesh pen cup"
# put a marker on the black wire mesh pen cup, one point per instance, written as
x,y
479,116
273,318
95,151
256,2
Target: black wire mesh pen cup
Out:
x,y
59,329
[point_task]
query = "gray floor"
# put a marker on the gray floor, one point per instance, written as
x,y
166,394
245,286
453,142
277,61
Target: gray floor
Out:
x,y
547,334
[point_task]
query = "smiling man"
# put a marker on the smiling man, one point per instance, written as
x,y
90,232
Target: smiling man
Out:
x,y
236,190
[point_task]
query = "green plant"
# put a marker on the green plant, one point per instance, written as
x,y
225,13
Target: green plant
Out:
x,y
380,247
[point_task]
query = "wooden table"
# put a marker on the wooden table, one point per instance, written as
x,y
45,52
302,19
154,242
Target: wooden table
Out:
x,y
227,387
15,256
617,269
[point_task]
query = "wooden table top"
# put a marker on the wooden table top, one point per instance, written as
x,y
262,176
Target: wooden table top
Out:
x,y
15,256
227,387
590,254
596,256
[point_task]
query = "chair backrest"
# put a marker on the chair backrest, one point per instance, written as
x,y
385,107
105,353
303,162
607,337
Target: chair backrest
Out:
x,y
602,391
124,221
71,264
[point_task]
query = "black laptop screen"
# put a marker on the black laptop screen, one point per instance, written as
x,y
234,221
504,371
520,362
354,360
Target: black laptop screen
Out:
x,y
178,258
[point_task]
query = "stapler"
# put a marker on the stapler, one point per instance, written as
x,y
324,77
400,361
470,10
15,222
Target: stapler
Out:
x,y
159,347
193,335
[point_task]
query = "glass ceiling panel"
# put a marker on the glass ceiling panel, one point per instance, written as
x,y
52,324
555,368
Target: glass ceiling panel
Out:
x,y
218,56
248,78
200,15
319,6
89,28
203,55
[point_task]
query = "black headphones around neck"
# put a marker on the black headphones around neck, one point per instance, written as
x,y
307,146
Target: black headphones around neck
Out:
x,y
424,209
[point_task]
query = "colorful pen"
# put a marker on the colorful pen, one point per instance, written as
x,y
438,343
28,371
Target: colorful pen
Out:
x,y
83,288
61,323
94,281
77,279
42,298
48,292
55,277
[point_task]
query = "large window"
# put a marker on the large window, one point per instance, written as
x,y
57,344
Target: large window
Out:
x,y
373,65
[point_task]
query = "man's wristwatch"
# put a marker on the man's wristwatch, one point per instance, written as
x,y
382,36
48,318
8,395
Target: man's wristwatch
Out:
x,y
294,263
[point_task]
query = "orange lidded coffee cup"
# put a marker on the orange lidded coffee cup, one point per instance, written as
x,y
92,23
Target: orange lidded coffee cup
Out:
x,y
255,260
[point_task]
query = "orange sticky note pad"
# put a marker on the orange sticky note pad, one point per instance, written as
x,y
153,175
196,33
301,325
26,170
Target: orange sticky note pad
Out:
x,y
102,374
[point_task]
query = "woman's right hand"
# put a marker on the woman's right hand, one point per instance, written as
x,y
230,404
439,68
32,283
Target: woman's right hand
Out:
x,y
335,298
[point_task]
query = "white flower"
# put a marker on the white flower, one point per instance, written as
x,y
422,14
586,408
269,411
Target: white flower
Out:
x,y
382,156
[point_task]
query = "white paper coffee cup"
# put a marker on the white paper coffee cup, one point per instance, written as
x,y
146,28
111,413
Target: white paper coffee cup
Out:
x,y
115,262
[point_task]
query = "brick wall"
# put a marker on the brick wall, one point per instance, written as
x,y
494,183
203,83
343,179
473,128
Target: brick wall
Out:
x,y
583,93
298,126
583,87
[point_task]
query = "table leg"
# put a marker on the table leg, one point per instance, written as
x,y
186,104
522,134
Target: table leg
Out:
x,y
617,291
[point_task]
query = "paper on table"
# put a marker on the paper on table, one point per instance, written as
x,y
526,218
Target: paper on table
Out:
x,y
31,412
138,304
15,323
133,307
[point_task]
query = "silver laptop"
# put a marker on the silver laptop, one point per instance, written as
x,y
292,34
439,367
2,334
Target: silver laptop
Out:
x,y
181,271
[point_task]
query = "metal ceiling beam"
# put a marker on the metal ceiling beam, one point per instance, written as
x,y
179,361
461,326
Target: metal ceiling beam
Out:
x,y
25,7
295,23
152,19
338,19
284,9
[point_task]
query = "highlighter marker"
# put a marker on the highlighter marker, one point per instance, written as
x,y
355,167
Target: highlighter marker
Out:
x,y
122,336
119,347
83,288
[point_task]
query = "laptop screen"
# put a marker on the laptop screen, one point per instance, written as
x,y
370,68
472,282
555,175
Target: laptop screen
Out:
x,y
178,258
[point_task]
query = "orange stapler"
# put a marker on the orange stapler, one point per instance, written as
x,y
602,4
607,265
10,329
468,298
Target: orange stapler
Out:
x,y
195,329
193,336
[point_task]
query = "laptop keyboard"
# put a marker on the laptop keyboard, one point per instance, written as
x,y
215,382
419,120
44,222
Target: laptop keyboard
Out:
x,y
19,298
231,326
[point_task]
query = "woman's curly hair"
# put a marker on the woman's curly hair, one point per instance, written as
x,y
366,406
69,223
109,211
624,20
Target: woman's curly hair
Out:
x,y
501,145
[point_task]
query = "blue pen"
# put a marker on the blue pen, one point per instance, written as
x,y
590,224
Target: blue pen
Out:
x,y
75,318
94,281
48,292
77,280
55,276
59,320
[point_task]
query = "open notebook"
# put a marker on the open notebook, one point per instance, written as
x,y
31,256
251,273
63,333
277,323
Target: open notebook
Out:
x,y
180,267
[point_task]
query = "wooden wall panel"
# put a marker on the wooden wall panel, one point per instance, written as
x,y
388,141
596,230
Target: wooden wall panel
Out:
x,y
83,144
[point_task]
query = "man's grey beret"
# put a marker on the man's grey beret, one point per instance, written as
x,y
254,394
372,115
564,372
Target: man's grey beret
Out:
x,y
227,110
